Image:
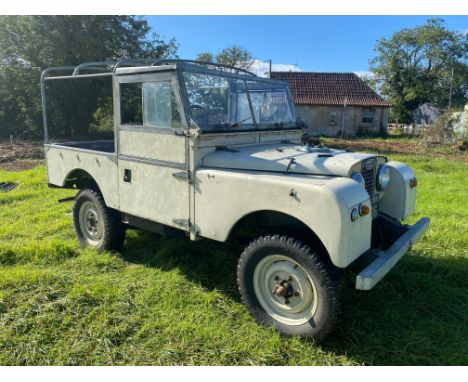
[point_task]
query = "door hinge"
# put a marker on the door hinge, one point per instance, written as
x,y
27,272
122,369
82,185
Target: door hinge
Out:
x,y
182,222
183,175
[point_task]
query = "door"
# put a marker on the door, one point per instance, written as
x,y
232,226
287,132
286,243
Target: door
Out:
x,y
152,149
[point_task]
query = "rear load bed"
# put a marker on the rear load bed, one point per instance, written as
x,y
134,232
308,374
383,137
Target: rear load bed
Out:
x,y
107,146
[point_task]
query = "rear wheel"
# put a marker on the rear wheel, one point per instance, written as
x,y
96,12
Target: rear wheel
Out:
x,y
286,285
96,225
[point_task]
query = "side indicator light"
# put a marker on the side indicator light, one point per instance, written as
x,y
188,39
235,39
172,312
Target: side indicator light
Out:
x,y
363,210
413,183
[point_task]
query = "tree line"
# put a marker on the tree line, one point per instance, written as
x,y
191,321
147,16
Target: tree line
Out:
x,y
30,44
425,64
428,63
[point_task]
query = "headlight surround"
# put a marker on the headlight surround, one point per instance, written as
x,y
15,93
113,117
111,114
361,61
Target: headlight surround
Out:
x,y
357,176
383,177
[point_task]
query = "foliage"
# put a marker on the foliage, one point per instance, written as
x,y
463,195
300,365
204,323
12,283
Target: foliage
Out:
x,y
175,302
29,44
442,130
414,66
205,57
75,109
370,81
103,120
232,56
235,56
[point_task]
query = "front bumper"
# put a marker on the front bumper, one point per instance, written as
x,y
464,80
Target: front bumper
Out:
x,y
387,259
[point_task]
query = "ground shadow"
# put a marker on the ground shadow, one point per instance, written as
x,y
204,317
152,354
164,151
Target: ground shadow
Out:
x,y
417,316
211,264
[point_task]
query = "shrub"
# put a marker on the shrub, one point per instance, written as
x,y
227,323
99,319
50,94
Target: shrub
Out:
x,y
442,130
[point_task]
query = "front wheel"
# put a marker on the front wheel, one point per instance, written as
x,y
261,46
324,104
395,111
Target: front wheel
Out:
x,y
96,225
286,285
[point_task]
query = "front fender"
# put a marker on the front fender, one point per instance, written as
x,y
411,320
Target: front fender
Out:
x,y
324,204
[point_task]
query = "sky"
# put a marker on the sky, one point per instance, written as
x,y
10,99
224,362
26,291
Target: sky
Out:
x,y
312,43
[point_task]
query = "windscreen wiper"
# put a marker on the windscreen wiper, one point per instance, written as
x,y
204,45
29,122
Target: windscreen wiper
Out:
x,y
240,122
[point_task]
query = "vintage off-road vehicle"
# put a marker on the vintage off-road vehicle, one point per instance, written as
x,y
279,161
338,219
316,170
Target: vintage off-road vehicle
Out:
x,y
215,152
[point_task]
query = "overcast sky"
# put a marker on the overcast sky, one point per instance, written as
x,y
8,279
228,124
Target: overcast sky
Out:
x,y
313,43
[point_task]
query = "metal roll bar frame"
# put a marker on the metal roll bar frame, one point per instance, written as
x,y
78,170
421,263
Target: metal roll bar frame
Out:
x,y
109,68
112,66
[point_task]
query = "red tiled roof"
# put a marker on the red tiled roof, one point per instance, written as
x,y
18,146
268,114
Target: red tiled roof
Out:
x,y
312,88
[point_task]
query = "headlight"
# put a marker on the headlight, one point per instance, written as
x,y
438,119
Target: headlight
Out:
x,y
383,177
357,176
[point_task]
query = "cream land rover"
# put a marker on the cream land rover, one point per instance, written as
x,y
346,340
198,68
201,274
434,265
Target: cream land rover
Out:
x,y
216,153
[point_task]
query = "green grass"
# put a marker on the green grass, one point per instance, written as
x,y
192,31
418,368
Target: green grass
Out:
x,y
175,302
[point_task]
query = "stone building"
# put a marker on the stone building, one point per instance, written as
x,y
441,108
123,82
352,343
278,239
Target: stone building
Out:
x,y
334,104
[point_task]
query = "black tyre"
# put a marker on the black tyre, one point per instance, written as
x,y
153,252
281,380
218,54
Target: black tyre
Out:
x,y
286,285
96,225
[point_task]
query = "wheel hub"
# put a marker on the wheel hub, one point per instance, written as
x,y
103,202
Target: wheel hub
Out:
x,y
285,290
91,224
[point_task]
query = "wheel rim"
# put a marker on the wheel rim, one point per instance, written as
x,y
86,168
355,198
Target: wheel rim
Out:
x,y
285,290
91,223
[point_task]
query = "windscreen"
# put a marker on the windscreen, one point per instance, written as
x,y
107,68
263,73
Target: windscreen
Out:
x,y
220,102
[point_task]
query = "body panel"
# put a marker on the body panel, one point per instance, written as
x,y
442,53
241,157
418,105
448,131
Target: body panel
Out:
x,y
153,145
399,198
153,193
102,166
286,157
324,204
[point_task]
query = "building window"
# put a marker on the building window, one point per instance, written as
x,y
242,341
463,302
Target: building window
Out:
x,y
333,117
368,115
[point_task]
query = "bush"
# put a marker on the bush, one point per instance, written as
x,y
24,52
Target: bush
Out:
x,y
442,131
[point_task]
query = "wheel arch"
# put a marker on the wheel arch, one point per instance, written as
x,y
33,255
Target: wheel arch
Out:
x,y
80,179
262,222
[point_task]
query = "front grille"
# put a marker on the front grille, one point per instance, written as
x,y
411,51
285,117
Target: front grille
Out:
x,y
368,172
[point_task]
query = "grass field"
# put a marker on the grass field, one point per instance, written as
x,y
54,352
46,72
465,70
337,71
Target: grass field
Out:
x,y
176,302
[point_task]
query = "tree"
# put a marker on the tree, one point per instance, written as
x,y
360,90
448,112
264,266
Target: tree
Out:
x,y
414,66
370,81
29,44
235,56
205,57
232,56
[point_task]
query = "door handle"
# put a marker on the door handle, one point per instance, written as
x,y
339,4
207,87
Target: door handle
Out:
x,y
127,175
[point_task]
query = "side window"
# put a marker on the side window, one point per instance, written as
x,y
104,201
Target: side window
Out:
x,y
130,104
368,116
159,105
149,104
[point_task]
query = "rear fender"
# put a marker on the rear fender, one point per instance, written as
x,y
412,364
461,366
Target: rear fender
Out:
x,y
63,163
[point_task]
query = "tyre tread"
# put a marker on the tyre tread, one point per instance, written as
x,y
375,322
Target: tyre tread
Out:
x,y
113,227
329,283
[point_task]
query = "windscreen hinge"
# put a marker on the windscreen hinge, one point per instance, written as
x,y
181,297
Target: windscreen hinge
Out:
x,y
185,223
183,175
183,133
